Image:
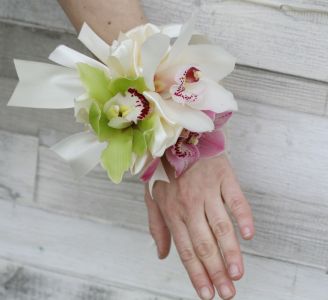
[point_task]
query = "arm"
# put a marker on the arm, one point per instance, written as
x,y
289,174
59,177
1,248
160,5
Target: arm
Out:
x,y
190,208
106,17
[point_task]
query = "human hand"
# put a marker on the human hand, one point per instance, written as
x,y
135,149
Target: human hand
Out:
x,y
191,209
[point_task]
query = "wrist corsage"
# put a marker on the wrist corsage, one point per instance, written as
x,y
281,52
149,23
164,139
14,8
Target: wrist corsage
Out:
x,y
153,93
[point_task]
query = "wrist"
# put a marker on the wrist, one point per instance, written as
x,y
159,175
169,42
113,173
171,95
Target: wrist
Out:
x,y
106,17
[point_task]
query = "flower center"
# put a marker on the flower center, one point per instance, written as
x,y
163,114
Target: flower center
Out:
x,y
189,88
186,144
123,110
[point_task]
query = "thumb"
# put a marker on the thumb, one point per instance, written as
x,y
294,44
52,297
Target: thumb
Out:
x,y
157,226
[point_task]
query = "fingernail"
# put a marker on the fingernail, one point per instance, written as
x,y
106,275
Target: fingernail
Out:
x,y
226,292
247,232
205,293
234,270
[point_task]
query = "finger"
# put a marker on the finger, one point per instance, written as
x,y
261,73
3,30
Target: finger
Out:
x,y
157,226
191,262
206,248
223,231
238,205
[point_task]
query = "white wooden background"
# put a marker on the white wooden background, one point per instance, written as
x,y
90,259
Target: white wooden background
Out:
x,y
62,240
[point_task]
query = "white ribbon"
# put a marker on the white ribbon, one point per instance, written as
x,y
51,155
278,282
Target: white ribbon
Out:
x,y
43,85
82,151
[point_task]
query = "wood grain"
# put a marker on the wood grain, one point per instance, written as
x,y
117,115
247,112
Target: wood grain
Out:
x,y
113,255
258,35
23,282
18,161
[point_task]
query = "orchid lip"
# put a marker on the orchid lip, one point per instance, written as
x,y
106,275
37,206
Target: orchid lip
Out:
x,y
141,102
186,147
188,88
123,110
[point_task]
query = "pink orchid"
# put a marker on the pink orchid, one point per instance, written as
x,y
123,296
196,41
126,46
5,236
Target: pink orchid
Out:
x,y
192,146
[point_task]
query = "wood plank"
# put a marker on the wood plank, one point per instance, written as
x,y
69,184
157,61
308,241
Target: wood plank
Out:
x,y
93,196
23,282
276,89
282,163
266,37
258,35
114,255
266,145
18,161
31,44
45,13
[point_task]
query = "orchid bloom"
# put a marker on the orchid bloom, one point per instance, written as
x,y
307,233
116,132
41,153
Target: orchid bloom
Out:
x,y
192,146
135,101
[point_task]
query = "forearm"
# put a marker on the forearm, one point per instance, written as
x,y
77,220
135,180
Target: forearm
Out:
x,y
106,17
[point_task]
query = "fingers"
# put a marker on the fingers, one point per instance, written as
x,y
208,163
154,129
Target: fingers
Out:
x,y
157,226
238,205
191,262
207,249
224,233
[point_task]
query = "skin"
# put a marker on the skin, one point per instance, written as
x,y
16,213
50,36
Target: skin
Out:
x,y
190,208
106,17
194,209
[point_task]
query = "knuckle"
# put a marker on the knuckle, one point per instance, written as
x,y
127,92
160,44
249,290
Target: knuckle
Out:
x,y
237,205
186,255
221,228
205,249
218,275
198,279
231,255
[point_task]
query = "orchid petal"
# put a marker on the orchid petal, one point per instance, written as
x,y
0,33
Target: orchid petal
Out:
x,y
221,119
215,62
215,98
181,164
171,30
150,169
99,122
159,135
126,54
82,151
96,82
181,43
140,33
160,140
211,114
68,57
94,43
152,52
139,162
117,157
118,123
45,86
139,142
82,106
159,175
174,113
211,143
